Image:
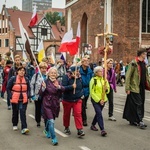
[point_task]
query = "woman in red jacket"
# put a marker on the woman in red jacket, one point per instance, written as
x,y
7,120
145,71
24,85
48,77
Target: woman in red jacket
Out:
x,y
8,66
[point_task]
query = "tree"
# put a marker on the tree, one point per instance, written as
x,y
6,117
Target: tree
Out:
x,y
15,8
54,17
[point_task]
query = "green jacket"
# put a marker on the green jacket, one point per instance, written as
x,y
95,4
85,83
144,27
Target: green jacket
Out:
x,y
96,88
133,78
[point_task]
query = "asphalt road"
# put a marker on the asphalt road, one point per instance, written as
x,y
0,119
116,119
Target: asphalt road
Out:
x,y
121,136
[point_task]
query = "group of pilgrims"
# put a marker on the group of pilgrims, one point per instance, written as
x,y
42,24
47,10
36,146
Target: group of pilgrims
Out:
x,y
48,85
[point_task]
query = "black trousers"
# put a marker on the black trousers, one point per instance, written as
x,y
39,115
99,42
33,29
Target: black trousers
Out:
x,y
110,97
38,110
133,111
15,114
84,105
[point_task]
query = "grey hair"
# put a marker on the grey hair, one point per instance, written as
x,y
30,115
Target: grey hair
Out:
x,y
52,68
98,68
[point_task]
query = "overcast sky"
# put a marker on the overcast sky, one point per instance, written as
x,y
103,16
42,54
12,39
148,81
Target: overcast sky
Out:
x,y
18,3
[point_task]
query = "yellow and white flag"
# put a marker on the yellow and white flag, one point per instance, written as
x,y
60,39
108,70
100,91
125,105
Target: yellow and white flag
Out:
x,y
53,58
24,56
41,51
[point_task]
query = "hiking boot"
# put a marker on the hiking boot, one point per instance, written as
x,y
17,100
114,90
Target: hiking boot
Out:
x,y
93,128
103,133
112,118
15,128
80,133
24,131
55,141
85,123
67,131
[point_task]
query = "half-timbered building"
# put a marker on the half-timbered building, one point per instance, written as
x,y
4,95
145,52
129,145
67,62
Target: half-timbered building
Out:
x,y
10,37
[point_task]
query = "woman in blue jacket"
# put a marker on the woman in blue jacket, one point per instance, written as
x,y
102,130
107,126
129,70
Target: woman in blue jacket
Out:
x,y
72,99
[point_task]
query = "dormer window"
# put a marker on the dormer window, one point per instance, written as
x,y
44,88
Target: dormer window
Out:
x,y
44,31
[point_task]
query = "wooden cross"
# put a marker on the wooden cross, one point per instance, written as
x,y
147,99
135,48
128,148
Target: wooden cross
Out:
x,y
107,44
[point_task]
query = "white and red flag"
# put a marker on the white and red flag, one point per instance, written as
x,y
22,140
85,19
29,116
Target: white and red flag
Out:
x,y
69,44
34,18
25,40
65,40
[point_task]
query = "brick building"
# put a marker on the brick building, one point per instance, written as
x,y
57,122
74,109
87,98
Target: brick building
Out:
x,y
129,19
10,37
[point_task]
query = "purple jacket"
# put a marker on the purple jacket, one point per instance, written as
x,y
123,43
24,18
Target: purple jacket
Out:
x,y
111,77
51,100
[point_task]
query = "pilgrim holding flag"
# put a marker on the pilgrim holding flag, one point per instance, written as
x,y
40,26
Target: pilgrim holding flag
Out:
x,y
73,85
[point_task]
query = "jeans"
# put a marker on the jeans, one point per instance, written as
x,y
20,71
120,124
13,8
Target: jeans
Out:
x,y
98,118
15,114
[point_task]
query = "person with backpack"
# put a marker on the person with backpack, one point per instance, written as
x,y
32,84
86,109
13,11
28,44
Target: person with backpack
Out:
x,y
51,91
18,88
36,84
99,87
137,80
111,77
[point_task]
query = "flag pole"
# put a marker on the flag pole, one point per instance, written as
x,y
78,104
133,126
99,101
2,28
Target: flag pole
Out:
x,y
35,60
75,75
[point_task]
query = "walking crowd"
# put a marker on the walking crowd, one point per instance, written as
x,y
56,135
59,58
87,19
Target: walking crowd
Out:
x,y
48,85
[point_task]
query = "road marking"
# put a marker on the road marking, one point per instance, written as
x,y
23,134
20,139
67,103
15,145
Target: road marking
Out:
x,y
84,148
4,100
30,115
60,133
56,130
124,95
147,118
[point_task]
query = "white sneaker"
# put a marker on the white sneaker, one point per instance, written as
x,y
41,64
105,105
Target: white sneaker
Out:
x,y
15,128
112,118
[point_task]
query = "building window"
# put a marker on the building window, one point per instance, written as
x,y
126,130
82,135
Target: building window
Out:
x,y
0,43
44,31
6,42
146,16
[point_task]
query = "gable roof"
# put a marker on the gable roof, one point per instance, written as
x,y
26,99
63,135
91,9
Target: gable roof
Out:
x,y
25,19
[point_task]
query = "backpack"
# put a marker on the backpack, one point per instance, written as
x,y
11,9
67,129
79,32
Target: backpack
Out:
x,y
95,83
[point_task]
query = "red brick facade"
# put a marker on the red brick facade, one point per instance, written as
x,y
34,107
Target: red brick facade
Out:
x,y
125,22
